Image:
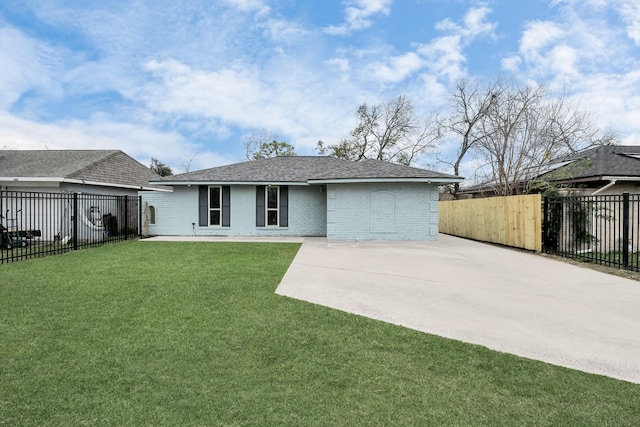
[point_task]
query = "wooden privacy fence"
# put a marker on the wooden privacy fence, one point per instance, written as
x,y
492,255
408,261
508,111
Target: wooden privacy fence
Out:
x,y
512,221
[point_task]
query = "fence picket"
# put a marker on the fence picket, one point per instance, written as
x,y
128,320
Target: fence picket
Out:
x,y
34,224
598,229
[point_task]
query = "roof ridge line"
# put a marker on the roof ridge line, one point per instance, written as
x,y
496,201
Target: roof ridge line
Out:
x,y
112,153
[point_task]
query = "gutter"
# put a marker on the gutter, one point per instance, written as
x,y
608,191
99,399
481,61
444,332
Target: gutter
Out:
x,y
190,183
613,180
81,182
435,180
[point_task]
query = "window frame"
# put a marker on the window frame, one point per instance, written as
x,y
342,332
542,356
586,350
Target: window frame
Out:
x,y
211,209
269,209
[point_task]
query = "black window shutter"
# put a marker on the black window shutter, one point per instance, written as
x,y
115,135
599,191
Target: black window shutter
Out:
x,y
203,205
284,206
226,206
260,208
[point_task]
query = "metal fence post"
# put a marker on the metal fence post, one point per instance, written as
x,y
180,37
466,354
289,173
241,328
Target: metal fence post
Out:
x,y
139,216
625,230
126,217
545,224
74,221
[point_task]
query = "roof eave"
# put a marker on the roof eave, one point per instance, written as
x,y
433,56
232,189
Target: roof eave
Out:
x,y
214,182
30,179
434,180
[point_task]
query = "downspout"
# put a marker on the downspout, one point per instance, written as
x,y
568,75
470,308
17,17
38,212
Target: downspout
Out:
x,y
609,185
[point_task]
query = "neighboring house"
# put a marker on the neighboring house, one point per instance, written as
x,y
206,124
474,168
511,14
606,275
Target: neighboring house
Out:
x,y
35,188
300,196
603,170
107,172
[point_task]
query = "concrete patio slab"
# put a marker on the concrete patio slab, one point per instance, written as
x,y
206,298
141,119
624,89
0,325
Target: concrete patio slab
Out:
x,y
506,300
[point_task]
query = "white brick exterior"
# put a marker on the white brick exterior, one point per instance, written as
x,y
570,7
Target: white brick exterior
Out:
x,y
387,211
177,212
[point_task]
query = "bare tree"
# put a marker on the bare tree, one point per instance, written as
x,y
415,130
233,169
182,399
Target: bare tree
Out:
x,y
514,131
389,131
188,160
469,104
524,129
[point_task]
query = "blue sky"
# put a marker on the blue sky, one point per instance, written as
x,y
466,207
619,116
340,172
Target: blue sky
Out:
x,y
192,79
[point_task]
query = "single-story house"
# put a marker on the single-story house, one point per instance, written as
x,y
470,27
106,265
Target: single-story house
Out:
x,y
602,170
300,196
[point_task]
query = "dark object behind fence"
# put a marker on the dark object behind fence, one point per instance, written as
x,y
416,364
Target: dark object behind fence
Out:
x,y
599,229
34,224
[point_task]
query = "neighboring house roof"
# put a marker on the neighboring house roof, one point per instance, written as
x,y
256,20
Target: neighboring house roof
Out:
x,y
96,167
304,170
597,164
601,164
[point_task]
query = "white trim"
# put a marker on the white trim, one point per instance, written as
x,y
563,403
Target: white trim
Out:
x,y
267,208
621,178
209,208
437,181
247,183
385,180
79,181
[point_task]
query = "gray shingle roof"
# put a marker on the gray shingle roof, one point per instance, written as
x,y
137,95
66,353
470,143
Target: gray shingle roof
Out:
x,y
105,166
378,169
300,169
275,169
595,163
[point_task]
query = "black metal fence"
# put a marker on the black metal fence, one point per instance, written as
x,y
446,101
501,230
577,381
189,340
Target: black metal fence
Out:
x,y
599,229
34,224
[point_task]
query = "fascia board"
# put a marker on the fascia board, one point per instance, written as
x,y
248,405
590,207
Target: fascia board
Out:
x,y
386,180
621,178
109,184
191,183
29,179
32,179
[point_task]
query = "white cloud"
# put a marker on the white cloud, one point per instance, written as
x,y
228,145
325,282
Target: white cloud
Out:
x,y
511,63
359,15
563,59
589,59
445,55
474,23
26,65
141,143
538,35
303,109
630,12
285,31
340,64
398,68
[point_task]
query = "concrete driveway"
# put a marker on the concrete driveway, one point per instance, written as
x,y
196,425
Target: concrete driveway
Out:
x,y
506,300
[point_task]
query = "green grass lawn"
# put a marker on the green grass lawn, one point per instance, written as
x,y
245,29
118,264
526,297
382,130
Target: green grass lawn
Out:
x,y
179,334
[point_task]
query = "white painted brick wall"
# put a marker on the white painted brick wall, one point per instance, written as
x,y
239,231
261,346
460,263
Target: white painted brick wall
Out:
x,y
343,213
175,213
353,216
